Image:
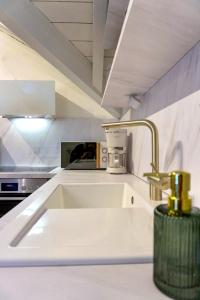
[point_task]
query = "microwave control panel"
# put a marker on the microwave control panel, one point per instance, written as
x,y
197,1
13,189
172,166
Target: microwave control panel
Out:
x,y
103,155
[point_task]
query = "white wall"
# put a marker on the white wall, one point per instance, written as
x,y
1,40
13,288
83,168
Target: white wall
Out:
x,y
173,104
179,133
181,81
36,142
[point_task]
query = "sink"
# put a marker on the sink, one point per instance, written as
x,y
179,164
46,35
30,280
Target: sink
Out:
x,y
92,196
77,224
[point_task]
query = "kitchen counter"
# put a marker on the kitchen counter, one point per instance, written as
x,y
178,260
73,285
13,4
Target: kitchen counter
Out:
x,y
29,174
133,281
117,282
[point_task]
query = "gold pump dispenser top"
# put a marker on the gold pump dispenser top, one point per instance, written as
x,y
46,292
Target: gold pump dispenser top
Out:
x,y
179,202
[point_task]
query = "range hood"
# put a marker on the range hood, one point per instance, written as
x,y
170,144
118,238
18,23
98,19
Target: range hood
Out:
x,y
27,98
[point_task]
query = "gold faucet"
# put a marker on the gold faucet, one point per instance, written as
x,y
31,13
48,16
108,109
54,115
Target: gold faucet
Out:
x,y
155,191
160,180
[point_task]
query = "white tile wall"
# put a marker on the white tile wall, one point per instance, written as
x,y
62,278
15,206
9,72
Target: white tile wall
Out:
x,y
36,142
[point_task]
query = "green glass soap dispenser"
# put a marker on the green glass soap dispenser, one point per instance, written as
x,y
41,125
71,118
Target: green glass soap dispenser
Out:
x,y
177,242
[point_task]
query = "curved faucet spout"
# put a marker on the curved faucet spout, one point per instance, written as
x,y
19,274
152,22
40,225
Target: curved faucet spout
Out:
x,y
155,193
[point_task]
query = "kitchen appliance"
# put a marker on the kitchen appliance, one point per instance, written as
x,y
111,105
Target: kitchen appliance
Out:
x,y
117,150
15,190
16,186
83,155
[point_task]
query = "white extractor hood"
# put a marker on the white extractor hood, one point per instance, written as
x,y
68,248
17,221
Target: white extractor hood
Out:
x,y
20,98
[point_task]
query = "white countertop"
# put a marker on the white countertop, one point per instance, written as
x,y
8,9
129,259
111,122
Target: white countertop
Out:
x,y
30,174
133,281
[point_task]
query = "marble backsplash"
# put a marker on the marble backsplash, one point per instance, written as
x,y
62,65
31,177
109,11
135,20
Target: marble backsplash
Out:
x,y
179,135
37,142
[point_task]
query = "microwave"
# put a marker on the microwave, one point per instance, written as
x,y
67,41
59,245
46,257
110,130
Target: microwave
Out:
x,y
84,155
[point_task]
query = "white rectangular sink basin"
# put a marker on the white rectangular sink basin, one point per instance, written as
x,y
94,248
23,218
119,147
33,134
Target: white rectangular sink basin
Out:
x,y
80,224
92,196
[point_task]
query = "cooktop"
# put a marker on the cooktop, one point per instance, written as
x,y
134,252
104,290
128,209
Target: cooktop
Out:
x,y
25,169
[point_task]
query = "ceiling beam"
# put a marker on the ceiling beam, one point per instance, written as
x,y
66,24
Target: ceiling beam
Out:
x,y
99,21
27,22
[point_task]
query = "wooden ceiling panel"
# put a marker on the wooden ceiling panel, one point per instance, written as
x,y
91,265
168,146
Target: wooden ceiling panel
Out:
x,y
107,63
75,31
78,12
89,1
89,58
84,47
109,52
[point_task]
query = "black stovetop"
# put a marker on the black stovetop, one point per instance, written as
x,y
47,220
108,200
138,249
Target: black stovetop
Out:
x,y
25,169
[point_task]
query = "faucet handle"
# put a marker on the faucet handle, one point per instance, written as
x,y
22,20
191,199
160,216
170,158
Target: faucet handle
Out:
x,y
154,168
160,180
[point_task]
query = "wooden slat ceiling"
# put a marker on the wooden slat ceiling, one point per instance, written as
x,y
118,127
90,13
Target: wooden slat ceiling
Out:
x,y
74,19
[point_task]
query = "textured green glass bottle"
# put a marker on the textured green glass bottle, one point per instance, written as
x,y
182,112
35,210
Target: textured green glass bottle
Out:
x,y
177,243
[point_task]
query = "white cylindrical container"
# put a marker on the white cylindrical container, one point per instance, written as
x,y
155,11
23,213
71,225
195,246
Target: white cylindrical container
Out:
x,y
117,150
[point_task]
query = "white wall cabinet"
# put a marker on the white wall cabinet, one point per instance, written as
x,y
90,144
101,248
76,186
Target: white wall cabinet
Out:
x,y
154,37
